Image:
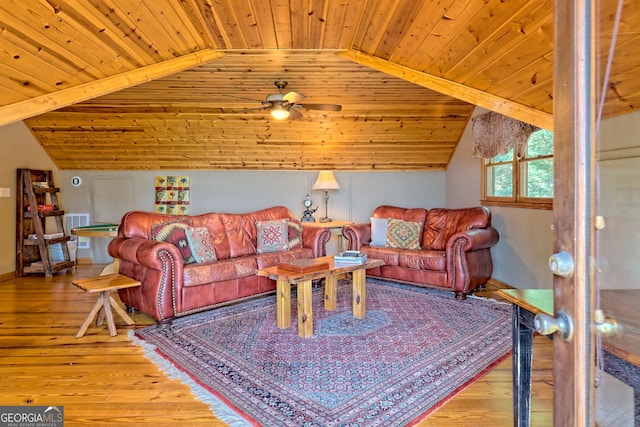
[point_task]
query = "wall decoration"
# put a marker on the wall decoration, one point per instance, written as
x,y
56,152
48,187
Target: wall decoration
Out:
x,y
172,195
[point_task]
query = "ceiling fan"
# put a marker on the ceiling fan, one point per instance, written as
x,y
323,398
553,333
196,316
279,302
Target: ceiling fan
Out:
x,y
287,105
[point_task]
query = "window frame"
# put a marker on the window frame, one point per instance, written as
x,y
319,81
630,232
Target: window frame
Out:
x,y
516,200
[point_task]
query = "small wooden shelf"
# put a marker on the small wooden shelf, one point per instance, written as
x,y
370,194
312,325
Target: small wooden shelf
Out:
x,y
36,188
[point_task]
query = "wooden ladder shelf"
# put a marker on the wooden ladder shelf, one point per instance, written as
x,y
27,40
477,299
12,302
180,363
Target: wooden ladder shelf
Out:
x,y
37,209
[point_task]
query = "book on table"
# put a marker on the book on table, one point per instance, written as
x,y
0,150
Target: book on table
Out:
x,y
350,257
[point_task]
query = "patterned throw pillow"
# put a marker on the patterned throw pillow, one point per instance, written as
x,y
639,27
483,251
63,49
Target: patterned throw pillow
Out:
x,y
379,231
201,244
272,236
403,234
295,234
176,234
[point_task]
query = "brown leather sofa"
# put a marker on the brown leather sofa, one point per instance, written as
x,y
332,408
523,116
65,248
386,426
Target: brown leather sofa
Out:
x,y
171,288
453,253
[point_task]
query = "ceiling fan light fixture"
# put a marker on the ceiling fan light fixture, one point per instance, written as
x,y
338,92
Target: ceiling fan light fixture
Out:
x,y
279,112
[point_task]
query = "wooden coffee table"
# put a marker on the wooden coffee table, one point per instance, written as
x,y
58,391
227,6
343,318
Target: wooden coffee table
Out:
x,y
286,278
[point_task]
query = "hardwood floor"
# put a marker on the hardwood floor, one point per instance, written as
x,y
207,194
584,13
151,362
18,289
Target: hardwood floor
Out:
x,y
104,380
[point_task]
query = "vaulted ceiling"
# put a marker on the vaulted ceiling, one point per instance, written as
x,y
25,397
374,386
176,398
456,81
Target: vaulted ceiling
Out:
x,y
166,84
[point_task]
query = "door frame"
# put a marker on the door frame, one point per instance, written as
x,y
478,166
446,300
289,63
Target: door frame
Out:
x,y
574,159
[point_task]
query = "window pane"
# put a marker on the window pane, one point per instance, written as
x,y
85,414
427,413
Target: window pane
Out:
x,y
540,144
503,157
537,177
500,180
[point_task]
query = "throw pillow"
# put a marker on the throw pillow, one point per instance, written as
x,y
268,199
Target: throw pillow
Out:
x,y
403,234
201,244
295,234
176,234
379,231
272,236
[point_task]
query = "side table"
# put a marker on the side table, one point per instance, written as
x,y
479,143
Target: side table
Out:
x,y
334,226
106,285
100,230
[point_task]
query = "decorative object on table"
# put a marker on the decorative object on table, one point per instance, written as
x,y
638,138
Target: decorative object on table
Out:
x,y
307,215
172,195
326,181
350,257
304,265
271,376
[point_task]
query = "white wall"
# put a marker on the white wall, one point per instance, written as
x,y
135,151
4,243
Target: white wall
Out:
x,y
619,172
244,191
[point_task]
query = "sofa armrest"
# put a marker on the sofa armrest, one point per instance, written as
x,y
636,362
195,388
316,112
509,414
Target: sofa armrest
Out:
x,y
357,235
475,239
469,262
145,252
316,238
159,268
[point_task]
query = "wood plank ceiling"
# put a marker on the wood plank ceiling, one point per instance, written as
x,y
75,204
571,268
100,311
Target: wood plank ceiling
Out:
x,y
165,84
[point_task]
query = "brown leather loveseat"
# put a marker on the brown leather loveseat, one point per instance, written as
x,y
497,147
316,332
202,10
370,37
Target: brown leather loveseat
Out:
x,y
188,264
441,248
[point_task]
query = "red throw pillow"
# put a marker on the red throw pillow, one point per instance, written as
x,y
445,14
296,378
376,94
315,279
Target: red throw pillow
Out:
x,y
175,233
295,234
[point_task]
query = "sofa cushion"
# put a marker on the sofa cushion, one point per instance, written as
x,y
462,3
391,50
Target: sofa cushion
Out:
x,y
272,236
295,234
388,255
228,269
174,232
423,260
379,231
201,244
274,258
403,234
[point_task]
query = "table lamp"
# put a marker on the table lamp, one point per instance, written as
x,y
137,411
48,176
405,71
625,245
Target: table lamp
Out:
x,y
326,181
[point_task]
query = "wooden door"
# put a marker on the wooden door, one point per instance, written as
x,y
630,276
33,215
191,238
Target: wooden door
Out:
x,y
596,216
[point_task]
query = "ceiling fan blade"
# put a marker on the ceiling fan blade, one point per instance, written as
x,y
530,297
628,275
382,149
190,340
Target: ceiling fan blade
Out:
x,y
294,114
293,97
323,107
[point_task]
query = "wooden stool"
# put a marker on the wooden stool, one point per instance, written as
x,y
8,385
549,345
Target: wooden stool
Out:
x,y
106,285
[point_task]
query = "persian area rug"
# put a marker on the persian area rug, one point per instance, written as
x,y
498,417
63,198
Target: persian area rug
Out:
x,y
415,349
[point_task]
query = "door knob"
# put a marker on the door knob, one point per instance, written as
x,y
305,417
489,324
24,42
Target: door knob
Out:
x,y
607,326
547,325
561,264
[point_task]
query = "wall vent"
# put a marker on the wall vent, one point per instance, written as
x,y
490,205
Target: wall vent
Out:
x,y
73,220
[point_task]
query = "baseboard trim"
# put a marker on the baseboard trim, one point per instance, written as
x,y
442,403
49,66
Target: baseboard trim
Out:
x,y
497,284
7,276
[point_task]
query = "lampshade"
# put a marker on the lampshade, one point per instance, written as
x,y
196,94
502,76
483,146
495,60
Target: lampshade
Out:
x,y
326,181
279,112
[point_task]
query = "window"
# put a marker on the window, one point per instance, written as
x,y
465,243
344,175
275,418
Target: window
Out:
x,y
521,182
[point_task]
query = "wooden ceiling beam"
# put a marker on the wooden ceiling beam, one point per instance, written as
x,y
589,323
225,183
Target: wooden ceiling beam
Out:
x,y
456,90
62,98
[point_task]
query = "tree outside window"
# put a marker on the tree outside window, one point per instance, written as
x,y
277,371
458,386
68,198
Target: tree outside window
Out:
x,y
521,182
